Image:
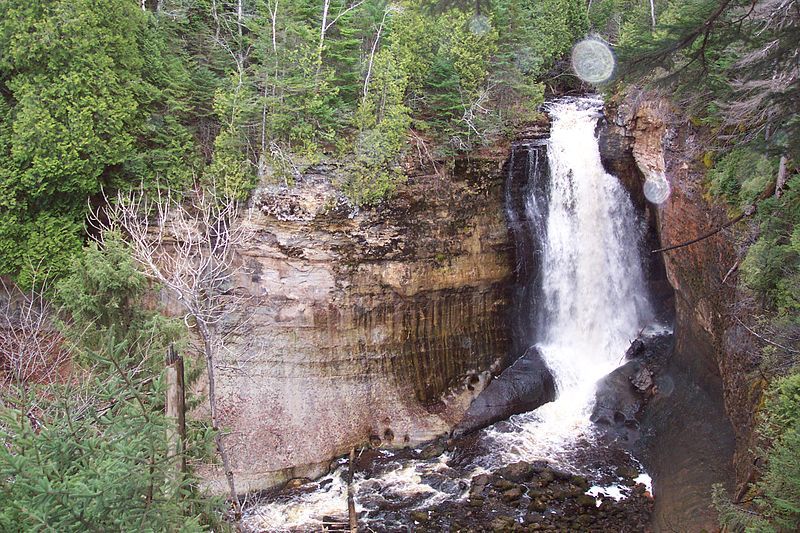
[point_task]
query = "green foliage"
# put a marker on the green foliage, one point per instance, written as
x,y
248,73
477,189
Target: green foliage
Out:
x,y
777,493
741,176
90,451
103,292
772,264
96,458
88,91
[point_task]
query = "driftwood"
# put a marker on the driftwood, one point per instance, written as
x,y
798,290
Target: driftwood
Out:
x,y
351,504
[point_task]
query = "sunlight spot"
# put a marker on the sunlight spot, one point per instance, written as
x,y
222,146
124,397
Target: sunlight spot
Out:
x,y
479,25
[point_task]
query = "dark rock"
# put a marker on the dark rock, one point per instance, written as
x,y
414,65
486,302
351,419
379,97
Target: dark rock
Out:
x,y
476,501
522,387
636,349
519,471
581,482
617,404
432,450
627,472
481,479
546,477
537,505
503,523
420,516
562,475
512,495
504,484
585,500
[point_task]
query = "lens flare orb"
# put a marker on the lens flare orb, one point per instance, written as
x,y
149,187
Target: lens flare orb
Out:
x,y
479,25
593,61
656,190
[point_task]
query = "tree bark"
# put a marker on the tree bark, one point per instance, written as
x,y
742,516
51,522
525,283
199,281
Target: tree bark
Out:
x,y
783,175
351,504
175,407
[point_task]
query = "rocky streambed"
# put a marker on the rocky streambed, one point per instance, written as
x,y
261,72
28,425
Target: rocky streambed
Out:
x,y
462,484
412,491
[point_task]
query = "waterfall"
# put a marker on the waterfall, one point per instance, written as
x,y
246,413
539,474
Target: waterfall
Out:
x,y
592,299
580,298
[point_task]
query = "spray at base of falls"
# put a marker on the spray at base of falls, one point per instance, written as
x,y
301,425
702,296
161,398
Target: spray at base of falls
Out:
x,y
589,302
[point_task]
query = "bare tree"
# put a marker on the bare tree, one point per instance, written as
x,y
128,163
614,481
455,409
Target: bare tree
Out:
x,y
188,247
31,348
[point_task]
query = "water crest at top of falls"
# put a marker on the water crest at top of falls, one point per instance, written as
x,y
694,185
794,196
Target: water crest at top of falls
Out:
x,y
592,299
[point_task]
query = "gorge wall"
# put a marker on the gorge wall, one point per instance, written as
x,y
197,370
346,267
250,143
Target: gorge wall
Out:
x,y
363,327
701,420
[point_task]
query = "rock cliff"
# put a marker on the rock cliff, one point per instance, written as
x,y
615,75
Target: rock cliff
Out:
x,y
364,326
701,419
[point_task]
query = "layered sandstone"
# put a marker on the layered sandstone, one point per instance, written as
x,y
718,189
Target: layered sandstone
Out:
x,y
373,326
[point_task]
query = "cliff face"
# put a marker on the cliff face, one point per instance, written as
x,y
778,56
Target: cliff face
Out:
x,y
702,418
373,326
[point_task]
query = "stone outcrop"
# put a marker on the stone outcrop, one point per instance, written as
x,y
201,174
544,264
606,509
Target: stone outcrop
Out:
x,y
363,327
702,415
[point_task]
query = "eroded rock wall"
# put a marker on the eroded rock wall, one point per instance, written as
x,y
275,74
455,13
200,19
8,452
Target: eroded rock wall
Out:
x,y
373,326
702,417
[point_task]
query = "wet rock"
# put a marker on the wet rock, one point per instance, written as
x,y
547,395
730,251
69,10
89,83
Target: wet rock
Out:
x,y
617,404
432,450
482,480
537,505
642,380
420,516
546,477
476,501
297,482
503,523
524,386
636,349
512,495
580,481
518,472
627,472
504,484
585,500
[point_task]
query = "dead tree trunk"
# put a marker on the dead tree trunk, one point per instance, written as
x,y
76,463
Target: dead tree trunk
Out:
x,y
176,412
351,504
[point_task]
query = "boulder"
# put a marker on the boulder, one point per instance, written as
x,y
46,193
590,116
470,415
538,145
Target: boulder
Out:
x,y
617,404
522,387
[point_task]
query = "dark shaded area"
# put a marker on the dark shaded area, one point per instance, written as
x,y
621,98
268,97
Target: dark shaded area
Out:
x,y
688,440
623,394
527,192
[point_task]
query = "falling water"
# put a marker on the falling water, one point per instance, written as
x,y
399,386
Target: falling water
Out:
x,y
593,299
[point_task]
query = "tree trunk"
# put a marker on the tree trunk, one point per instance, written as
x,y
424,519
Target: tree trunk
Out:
x,y
175,407
653,13
322,29
351,504
783,175
218,438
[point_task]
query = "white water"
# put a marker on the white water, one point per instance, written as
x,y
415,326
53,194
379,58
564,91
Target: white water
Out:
x,y
594,294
